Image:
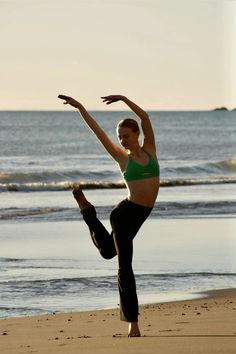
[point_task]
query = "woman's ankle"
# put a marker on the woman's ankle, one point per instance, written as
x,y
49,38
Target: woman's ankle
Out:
x,y
82,202
134,330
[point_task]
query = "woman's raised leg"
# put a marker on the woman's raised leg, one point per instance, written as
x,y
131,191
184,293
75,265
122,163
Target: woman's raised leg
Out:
x,y
100,236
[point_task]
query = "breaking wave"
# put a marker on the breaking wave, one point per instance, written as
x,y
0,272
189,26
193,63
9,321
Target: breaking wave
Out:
x,y
160,210
219,172
67,185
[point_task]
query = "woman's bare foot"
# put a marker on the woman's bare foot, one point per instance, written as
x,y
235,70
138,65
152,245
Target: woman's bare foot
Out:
x,y
79,196
134,330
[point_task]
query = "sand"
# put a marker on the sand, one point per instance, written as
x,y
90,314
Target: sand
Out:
x,y
205,325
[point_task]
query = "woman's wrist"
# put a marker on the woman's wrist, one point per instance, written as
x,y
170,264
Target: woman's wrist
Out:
x,y
124,99
78,105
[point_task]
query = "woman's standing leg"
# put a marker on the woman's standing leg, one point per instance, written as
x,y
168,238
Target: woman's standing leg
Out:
x,y
126,219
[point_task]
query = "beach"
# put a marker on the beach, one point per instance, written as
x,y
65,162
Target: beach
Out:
x,y
206,325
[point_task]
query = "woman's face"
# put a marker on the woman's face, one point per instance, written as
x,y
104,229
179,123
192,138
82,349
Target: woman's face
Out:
x,y
127,138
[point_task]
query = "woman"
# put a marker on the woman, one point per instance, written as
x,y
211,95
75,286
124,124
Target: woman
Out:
x,y
140,169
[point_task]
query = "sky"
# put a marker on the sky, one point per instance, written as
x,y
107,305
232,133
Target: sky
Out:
x,y
162,54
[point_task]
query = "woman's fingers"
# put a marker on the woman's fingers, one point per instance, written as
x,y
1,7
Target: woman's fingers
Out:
x,y
110,99
63,97
69,100
107,99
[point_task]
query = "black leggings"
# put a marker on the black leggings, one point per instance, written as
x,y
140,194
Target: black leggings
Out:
x,y
126,219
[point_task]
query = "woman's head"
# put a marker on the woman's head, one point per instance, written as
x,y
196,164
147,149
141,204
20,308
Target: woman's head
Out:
x,y
128,132
129,123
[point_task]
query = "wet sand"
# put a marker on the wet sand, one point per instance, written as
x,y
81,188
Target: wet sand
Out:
x,y
205,325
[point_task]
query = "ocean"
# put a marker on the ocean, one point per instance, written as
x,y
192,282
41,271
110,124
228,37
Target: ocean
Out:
x,y
47,262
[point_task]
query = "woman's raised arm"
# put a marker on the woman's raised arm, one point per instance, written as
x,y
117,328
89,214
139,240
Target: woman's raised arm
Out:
x,y
149,138
114,150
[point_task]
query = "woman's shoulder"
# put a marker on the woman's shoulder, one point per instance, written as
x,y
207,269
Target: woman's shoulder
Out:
x,y
123,160
151,151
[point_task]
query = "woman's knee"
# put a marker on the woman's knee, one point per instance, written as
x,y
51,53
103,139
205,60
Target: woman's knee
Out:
x,y
107,255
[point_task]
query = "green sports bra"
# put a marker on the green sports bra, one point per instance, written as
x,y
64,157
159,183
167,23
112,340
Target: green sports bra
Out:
x,y
135,171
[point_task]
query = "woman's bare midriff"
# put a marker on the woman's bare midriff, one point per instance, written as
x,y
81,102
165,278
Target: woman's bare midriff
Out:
x,y
143,192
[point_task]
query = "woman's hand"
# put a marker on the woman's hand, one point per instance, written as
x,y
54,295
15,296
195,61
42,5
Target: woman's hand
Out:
x,y
112,98
69,100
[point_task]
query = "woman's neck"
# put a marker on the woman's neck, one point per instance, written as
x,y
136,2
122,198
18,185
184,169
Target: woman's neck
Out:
x,y
137,151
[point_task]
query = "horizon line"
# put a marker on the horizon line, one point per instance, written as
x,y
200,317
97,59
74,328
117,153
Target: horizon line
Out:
x,y
121,110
